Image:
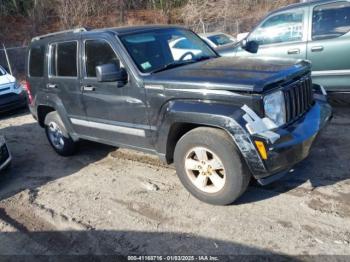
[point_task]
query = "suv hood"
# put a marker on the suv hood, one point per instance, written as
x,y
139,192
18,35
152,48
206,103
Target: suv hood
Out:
x,y
6,79
232,73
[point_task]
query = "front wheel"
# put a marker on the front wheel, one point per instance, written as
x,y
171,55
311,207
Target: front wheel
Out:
x,y
61,142
210,167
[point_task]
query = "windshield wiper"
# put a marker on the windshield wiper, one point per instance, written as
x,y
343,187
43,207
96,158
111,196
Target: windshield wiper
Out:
x,y
172,65
177,64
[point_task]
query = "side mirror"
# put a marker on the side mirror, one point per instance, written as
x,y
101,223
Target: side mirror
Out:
x,y
250,46
111,73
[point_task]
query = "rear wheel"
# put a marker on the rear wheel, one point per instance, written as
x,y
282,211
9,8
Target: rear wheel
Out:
x,y
210,167
56,133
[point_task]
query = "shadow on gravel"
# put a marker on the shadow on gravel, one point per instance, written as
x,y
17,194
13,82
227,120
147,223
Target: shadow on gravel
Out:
x,y
327,164
35,163
106,245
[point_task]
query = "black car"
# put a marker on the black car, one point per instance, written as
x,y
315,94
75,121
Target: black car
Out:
x,y
12,94
221,120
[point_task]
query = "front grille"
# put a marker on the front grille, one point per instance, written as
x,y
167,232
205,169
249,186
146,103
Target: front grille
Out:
x,y
298,97
4,154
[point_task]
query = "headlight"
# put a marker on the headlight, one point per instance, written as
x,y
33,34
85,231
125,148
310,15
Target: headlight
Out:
x,y
17,85
275,108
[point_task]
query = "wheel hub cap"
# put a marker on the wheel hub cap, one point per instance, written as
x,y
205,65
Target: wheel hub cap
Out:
x,y
205,170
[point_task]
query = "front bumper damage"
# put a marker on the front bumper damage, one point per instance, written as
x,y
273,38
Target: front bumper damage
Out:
x,y
287,146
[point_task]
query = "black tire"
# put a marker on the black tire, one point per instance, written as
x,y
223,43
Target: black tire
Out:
x,y
222,145
68,146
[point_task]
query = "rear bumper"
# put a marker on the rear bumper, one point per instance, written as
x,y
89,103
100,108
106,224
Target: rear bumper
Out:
x,y
295,142
12,101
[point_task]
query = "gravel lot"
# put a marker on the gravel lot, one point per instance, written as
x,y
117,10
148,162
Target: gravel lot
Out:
x,y
106,201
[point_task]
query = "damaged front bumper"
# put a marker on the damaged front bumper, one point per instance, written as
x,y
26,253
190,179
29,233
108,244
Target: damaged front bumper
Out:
x,y
292,146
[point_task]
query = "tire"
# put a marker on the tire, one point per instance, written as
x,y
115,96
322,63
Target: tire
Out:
x,y
57,135
218,145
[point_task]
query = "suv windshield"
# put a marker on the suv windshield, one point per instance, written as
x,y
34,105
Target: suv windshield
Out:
x,y
220,39
163,49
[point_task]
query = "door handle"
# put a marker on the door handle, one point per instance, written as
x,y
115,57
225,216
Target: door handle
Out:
x,y
295,51
51,86
317,49
88,88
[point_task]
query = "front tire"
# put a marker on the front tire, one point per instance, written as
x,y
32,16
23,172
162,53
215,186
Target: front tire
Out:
x,y
210,167
57,135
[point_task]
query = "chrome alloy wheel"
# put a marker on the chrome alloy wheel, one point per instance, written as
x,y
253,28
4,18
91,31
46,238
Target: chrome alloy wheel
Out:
x,y
56,136
205,170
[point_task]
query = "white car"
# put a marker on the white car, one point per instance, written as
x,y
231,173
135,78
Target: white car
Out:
x,y
217,39
12,94
182,46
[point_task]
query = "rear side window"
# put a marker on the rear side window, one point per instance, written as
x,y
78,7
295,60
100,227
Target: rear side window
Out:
x,y
331,20
63,62
36,61
98,52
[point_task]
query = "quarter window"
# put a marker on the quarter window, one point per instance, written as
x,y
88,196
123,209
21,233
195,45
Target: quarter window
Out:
x,y
36,61
98,52
64,59
281,28
331,20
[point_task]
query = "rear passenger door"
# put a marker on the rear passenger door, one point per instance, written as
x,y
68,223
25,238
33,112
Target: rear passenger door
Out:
x,y
63,76
329,45
115,112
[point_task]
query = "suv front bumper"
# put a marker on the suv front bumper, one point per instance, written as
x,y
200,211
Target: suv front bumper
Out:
x,y
294,144
12,101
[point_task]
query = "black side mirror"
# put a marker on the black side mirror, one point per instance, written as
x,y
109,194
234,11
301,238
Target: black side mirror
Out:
x,y
111,73
250,46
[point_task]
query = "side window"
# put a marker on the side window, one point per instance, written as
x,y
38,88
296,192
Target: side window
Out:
x,y
36,61
63,61
98,52
280,28
330,20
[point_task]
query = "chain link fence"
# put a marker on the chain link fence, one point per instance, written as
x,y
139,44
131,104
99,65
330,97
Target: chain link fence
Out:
x,y
13,59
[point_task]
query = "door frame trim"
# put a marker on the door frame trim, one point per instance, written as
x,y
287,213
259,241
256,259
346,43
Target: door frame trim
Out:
x,y
108,127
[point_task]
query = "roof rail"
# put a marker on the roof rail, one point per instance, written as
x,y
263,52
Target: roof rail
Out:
x,y
76,30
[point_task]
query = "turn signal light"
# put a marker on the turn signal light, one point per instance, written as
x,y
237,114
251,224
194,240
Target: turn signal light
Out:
x,y
261,148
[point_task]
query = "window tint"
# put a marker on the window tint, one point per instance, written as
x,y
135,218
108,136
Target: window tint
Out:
x,y
331,20
64,59
36,61
97,53
281,28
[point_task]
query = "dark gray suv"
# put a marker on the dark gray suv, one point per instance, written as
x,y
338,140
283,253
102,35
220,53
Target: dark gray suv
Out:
x,y
221,120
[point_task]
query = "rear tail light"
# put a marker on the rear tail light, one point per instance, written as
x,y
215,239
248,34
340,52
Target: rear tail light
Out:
x,y
26,86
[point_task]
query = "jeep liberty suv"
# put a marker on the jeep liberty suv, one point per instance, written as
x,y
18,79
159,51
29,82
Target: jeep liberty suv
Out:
x,y
220,120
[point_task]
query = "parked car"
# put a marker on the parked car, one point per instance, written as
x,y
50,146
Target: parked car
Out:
x,y
221,120
181,48
217,39
12,95
318,31
5,156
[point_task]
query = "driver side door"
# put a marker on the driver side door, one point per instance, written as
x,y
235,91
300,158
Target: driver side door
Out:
x,y
116,112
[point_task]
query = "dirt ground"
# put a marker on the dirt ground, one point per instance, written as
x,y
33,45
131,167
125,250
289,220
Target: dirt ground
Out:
x,y
106,201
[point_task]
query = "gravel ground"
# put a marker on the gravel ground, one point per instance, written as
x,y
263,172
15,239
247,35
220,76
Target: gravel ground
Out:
x,y
105,201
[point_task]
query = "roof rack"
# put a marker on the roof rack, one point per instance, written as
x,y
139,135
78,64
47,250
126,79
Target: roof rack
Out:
x,y
76,30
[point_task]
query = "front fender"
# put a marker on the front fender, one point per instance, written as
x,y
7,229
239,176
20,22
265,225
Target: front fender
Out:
x,y
224,116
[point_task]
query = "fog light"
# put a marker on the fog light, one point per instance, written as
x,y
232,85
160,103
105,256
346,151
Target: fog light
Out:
x,y
261,148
